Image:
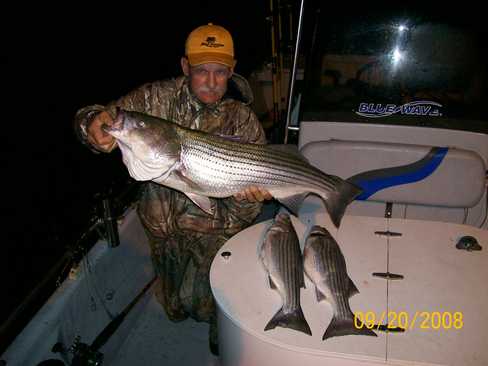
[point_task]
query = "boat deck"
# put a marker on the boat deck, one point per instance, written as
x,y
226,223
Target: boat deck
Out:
x,y
434,304
108,279
103,285
155,340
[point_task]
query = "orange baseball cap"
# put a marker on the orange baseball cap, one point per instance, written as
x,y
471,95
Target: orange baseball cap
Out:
x,y
210,43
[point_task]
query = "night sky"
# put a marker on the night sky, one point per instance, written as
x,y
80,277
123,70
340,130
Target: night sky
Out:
x,y
55,61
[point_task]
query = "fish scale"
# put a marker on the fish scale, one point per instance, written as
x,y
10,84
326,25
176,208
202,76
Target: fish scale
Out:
x,y
248,154
226,164
337,274
325,265
288,260
282,259
202,165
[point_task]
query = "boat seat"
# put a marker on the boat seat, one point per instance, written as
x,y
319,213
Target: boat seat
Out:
x,y
404,173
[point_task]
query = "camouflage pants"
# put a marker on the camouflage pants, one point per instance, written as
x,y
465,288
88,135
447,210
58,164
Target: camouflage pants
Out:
x,y
183,266
184,241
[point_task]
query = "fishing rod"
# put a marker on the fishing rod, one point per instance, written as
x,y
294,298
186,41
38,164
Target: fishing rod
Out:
x,y
103,221
294,73
90,355
275,69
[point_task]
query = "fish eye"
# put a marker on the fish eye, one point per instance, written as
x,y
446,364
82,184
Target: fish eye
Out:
x,y
141,124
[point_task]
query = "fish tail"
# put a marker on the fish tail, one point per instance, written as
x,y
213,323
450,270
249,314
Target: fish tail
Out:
x,y
338,201
342,327
294,320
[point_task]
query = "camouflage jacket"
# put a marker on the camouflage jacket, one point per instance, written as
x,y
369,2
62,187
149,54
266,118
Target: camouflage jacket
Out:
x,y
183,238
163,210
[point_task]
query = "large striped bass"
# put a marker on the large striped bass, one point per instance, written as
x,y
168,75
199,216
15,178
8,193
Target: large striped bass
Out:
x,y
325,265
282,258
202,165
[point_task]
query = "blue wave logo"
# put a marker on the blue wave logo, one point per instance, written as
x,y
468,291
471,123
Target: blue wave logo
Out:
x,y
417,108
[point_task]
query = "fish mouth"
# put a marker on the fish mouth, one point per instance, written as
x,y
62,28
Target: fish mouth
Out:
x,y
282,217
117,125
317,230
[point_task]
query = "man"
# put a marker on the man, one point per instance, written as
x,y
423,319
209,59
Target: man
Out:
x,y
183,238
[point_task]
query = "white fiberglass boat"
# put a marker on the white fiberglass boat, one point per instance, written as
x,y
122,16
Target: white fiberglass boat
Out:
x,y
396,105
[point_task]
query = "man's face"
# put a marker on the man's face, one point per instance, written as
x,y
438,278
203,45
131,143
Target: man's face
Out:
x,y
209,81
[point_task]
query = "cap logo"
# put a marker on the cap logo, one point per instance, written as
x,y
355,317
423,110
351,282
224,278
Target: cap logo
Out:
x,y
211,42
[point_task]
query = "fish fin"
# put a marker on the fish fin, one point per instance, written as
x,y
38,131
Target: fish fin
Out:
x,y
320,295
271,283
299,266
342,327
302,280
201,201
301,270
337,202
353,290
191,185
294,320
293,203
288,149
173,169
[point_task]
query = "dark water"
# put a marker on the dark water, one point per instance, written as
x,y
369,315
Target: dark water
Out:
x,y
53,65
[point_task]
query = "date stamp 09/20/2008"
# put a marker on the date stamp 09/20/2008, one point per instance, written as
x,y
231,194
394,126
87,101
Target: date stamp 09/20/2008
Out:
x,y
426,320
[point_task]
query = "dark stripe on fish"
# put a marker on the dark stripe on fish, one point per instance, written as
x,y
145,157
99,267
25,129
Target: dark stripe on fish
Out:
x,y
272,171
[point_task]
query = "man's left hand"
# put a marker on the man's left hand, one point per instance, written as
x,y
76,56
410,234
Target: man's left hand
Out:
x,y
253,194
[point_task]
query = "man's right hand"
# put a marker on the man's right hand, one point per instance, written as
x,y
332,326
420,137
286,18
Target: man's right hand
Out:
x,y
97,136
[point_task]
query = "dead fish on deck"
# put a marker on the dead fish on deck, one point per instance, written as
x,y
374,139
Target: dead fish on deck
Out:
x,y
282,258
202,165
325,265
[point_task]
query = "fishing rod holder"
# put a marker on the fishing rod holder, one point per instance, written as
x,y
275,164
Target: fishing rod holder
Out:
x,y
110,224
106,222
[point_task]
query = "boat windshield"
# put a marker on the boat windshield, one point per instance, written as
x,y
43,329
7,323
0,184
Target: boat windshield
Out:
x,y
393,66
